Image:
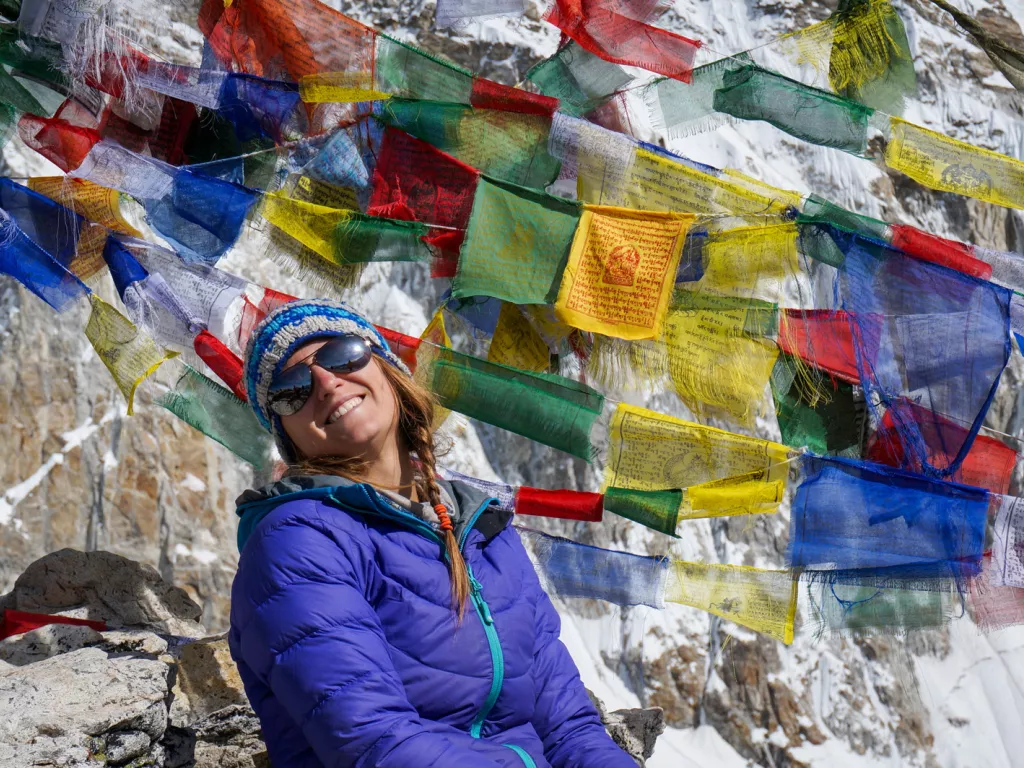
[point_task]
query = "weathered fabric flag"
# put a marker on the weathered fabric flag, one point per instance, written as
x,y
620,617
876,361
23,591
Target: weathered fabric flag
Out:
x,y
37,270
516,244
608,29
579,80
886,609
130,355
949,165
516,344
564,505
621,271
761,600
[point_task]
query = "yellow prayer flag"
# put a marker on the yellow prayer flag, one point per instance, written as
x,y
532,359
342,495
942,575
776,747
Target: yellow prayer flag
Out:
x,y
713,364
942,163
749,262
515,342
621,271
787,197
656,183
129,354
740,495
311,225
761,600
91,201
340,87
650,451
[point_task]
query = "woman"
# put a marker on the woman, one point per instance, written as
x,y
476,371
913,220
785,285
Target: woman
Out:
x,y
381,616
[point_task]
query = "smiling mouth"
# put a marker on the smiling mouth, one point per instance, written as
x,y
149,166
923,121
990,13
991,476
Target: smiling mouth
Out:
x,y
349,405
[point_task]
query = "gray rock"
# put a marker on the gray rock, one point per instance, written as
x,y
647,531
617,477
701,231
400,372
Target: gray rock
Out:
x,y
72,709
229,738
635,730
42,643
105,587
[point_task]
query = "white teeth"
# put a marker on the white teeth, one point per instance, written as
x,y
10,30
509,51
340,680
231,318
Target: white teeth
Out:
x,y
344,408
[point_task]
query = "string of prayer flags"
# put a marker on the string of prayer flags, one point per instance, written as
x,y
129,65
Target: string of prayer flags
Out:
x,y
569,569
912,343
825,415
516,344
516,244
214,411
880,609
413,181
453,13
819,117
548,409
989,464
761,600
608,29
563,505
621,271
507,145
579,80
130,355
34,268
345,236
851,518
940,162
1008,544
222,361
650,451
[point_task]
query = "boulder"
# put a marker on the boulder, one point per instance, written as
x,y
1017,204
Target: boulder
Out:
x,y
635,730
105,587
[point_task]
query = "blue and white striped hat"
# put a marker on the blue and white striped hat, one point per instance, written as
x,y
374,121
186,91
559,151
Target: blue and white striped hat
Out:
x,y
286,329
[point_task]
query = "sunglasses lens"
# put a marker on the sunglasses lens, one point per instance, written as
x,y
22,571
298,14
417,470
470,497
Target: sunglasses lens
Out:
x,y
292,387
345,354
290,390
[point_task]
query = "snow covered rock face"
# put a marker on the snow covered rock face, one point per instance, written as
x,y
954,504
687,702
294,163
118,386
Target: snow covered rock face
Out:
x,y
75,472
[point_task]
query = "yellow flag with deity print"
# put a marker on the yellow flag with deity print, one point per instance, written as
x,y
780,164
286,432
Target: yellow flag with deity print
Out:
x,y
621,271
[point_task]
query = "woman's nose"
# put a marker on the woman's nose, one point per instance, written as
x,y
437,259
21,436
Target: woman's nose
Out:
x,y
325,381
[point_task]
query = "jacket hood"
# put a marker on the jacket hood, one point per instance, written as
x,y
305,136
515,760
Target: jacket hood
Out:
x,y
471,507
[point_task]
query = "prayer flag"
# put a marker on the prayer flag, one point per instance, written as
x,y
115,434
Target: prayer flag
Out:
x,y
565,505
516,344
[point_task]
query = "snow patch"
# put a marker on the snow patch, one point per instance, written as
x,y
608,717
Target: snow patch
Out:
x,y
193,483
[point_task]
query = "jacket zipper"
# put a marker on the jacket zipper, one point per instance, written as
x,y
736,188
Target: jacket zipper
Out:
x,y
497,656
523,755
483,611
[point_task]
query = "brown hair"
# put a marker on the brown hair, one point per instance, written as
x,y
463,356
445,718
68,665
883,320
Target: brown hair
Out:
x,y
416,409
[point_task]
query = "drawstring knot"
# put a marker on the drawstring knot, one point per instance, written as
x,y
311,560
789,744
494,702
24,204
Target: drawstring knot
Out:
x,y
442,516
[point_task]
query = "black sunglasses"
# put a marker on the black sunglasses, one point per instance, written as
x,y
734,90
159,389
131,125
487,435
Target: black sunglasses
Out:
x,y
291,388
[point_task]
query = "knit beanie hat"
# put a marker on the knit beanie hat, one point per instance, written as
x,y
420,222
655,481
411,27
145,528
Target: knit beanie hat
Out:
x,y
286,329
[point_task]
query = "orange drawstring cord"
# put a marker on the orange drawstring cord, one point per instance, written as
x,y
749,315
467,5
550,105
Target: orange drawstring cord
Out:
x,y
442,516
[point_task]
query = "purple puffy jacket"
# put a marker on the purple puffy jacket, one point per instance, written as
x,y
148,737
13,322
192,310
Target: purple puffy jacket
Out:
x,y
344,636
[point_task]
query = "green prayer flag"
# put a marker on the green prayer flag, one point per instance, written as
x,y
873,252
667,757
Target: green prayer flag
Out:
x,y
811,114
548,409
884,609
687,108
219,415
516,244
404,71
361,239
506,145
820,211
831,424
579,80
658,510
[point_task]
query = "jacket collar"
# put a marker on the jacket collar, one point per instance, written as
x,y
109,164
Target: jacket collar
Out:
x,y
473,509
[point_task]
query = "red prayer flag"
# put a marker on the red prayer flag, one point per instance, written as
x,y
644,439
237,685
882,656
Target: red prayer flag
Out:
x,y
565,505
403,346
222,361
822,338
488,94
939,250
253,314
414,181
17,622
63,144
601,27
989,463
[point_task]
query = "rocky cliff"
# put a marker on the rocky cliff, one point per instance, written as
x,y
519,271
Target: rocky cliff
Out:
x,y
76,472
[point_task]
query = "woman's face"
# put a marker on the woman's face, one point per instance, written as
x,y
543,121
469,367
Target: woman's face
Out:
x,y
347,414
